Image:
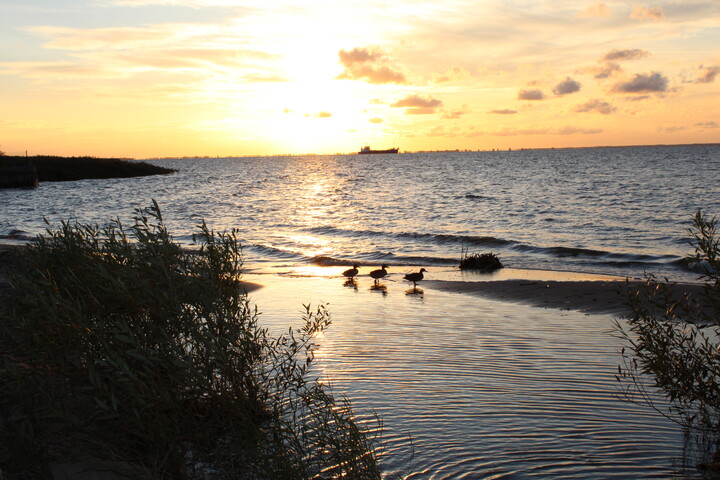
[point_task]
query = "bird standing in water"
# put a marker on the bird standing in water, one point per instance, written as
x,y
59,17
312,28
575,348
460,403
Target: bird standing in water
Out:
x,y
415,277
351,272
378,274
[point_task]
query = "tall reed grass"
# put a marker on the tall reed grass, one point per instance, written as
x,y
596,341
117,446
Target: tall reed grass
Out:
x,y
120,346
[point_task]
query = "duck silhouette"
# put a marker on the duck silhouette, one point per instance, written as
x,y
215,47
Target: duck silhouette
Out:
x,y
415,276
379,273
351,272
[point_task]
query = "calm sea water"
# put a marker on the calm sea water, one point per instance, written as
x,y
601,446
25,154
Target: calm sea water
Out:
x,y
470,388
620,211
477,389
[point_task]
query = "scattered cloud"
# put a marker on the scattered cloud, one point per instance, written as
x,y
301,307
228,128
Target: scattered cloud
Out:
x,y
455,74
417,105
531,95
637,98
708,74
599,10
512,132
505,111
629,54
566,87
599,106
455,114
376,120
647,14
323,114
643,83
708,125
368,64
603,71
577,130
672,129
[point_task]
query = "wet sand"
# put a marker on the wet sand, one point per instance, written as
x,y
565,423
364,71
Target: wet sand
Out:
x,y
554,290
602,297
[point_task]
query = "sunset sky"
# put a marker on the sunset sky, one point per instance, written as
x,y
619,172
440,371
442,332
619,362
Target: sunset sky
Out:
x,y
144,78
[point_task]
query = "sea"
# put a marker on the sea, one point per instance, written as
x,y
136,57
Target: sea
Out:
x,y
617,211
465,387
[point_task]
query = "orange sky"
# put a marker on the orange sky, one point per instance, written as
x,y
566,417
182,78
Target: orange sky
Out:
x,y
143,78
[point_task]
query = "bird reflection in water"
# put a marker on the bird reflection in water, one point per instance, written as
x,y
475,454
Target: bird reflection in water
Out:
x,y
415,291
379,287
351,283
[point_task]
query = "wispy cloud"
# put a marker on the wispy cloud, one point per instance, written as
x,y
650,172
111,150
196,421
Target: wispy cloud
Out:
x,y
647,13
708,74
628,54
521,132
599,10
456,114
504,111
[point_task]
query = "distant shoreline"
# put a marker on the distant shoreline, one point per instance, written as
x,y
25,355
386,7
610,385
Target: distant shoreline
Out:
x,y
47,168
520,149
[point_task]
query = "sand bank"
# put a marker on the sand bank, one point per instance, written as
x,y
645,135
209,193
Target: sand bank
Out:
x,y
558,290
606,297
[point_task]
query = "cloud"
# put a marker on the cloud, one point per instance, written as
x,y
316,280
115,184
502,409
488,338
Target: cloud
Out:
x,y
709,125
647,13
629,54
596,105
417,105
604,71
609,61
672,129
358,55
708,74
367,64
531,95
455,114
512,132
505,111
376,120
599,10
323,115
577,130
53,70
455,74
643,83
566,87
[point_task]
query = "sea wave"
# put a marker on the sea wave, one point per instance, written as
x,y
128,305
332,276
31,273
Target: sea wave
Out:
x,y
436,238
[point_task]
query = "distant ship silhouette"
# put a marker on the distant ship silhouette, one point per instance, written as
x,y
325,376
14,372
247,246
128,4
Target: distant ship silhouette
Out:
x,y
367,150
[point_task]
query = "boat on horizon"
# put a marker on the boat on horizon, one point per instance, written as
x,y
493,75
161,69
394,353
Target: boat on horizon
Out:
x,y
367,150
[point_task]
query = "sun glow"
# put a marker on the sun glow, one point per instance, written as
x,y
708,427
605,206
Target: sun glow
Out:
x,y
327,77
